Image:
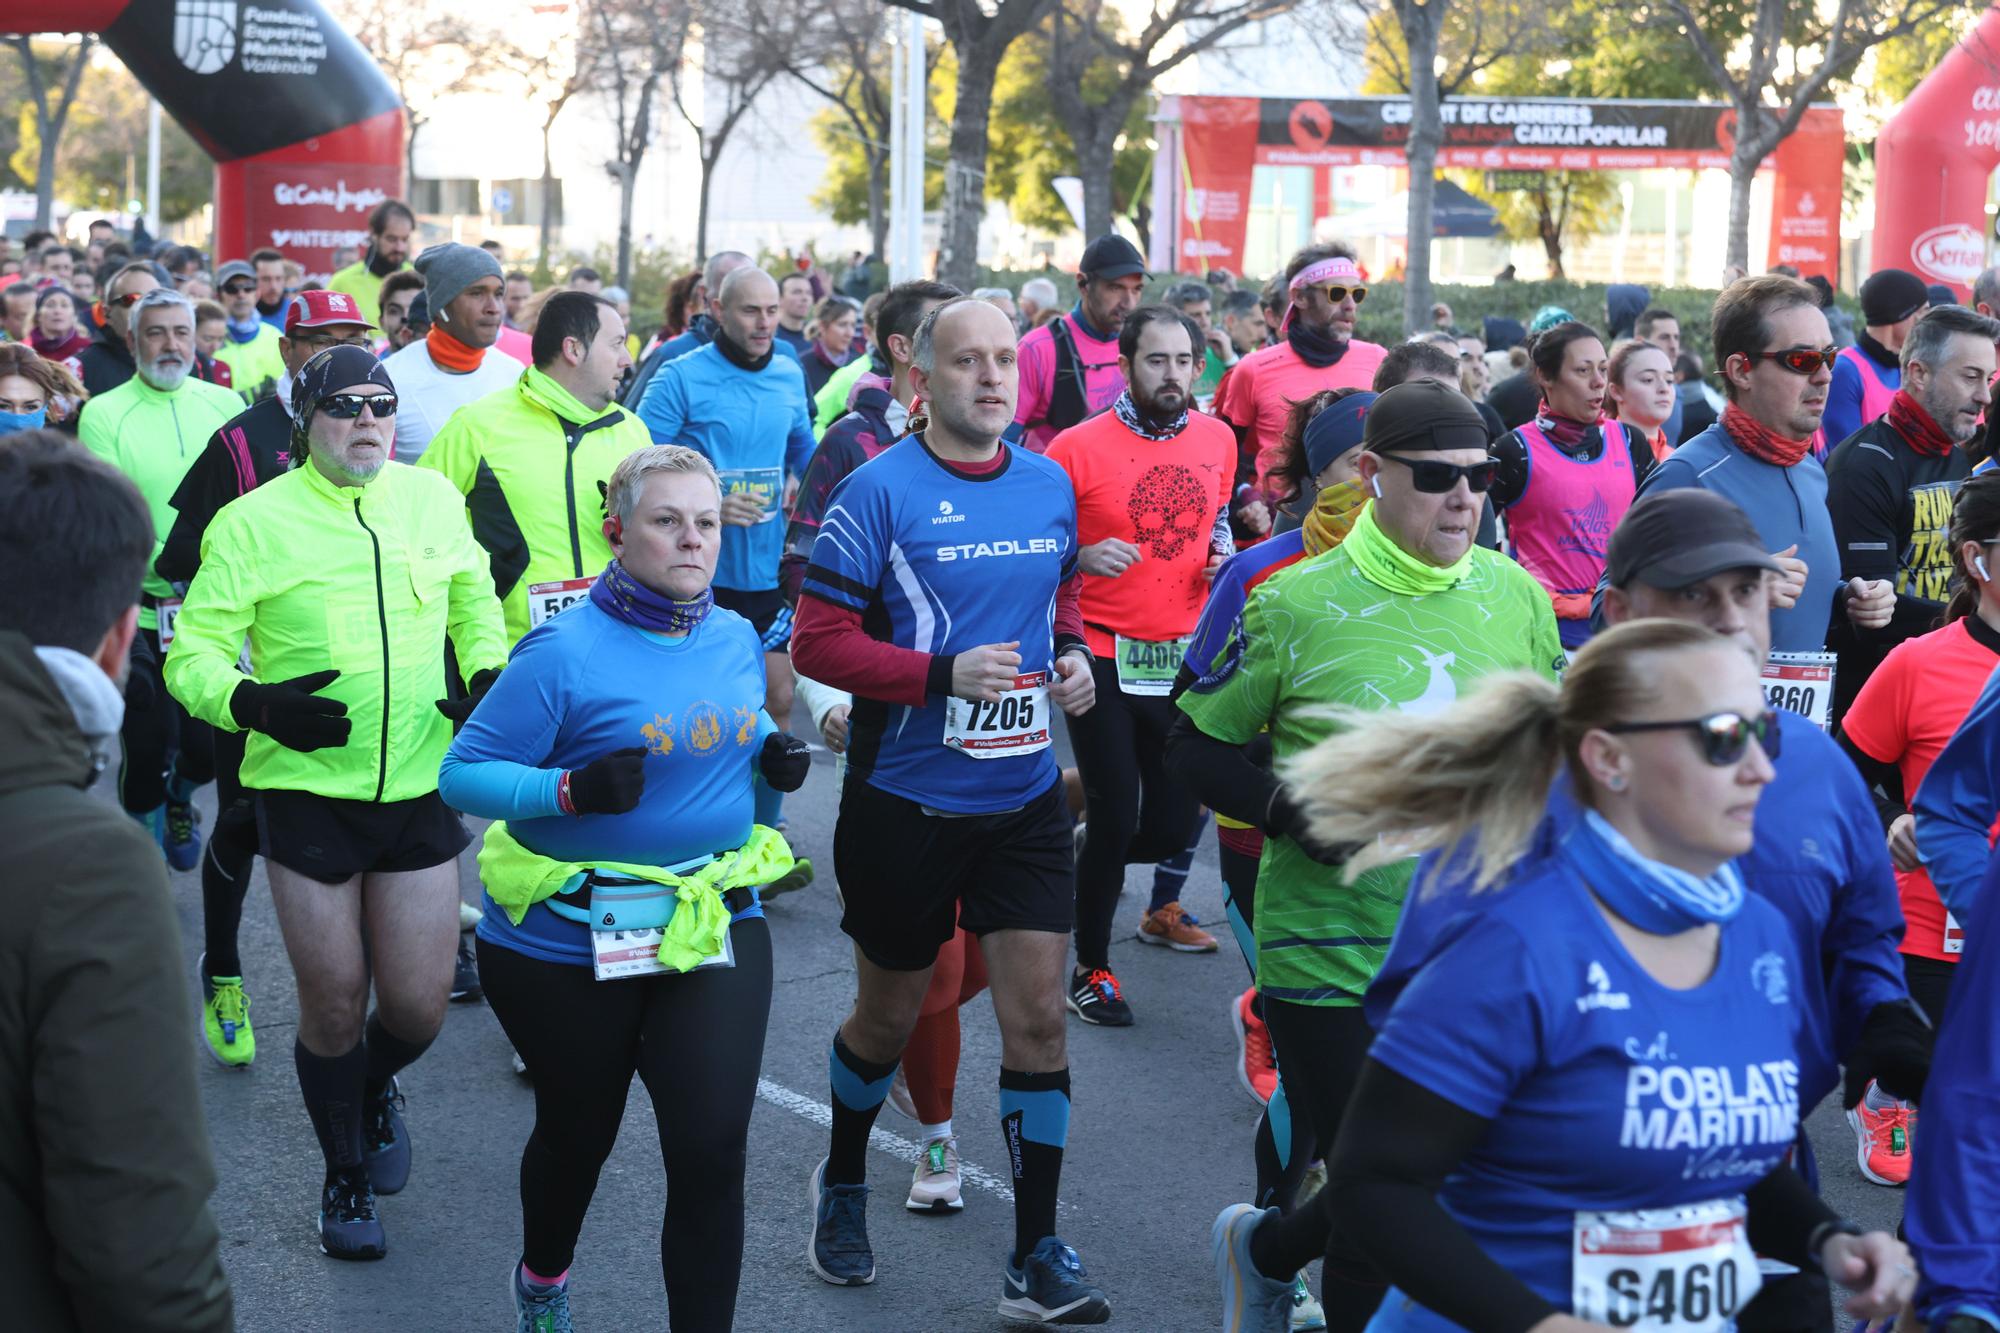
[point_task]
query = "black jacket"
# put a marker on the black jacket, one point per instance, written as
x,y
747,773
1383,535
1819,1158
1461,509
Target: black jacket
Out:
x,y
107,362
252,447
1515,399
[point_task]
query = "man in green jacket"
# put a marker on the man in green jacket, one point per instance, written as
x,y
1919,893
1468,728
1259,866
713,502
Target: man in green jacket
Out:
x,y
390,228
105,1170
532,460
346,575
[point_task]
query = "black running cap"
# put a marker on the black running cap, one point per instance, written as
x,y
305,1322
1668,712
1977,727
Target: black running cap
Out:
x,y
1675,539
1422,416
1111,256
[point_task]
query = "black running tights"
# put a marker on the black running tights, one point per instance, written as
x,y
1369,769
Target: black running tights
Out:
x,y
698,1042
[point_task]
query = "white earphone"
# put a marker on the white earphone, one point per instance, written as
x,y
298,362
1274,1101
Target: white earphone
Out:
x,y
1979,563
1375,484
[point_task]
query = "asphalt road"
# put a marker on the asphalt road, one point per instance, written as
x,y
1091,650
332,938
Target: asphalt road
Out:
x,y
1159,1141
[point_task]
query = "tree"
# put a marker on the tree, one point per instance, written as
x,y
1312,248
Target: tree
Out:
x,y
1032,146
628,47
427,51
1562,207
979,39
1775,70
101,156
854,128
555,72
49,115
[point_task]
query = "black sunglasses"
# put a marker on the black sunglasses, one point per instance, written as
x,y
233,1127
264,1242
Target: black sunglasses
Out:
x,y
1723,736
347,406
1799,360
239,289
1434,478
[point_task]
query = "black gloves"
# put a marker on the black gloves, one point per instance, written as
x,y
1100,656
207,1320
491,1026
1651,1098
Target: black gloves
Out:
x,y
1894,1049
1285,817
460,709
292,713
784,761
610,784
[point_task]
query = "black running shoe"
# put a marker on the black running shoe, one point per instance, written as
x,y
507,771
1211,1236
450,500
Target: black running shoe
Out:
x,y
465,987
385,1142
348,1225
1094,997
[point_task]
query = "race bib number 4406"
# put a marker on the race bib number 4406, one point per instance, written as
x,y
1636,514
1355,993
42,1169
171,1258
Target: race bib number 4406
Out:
x,y
1684,1270
1017,723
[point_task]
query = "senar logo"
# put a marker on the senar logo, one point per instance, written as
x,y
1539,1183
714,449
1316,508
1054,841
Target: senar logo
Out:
x,y
1951,253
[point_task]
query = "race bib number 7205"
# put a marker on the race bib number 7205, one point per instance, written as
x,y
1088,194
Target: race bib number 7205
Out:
x,y
1017,723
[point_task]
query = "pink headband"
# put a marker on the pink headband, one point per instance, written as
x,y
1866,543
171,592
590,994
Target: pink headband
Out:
x,y
1338,268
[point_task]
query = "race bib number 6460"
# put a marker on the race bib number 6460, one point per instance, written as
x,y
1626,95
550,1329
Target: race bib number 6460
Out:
x,y
1688,1269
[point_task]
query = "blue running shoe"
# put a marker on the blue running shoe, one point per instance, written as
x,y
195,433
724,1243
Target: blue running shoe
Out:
x,y
1251,1302
1052,1288
540,1309
838,1250
348,1225
385,1142
180,835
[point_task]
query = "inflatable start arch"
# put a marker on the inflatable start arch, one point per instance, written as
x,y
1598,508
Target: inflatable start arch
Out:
x,y
306,132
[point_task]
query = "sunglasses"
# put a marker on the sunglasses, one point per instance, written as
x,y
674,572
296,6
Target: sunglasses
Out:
x,y
1723,737
1435,478
1339,294
239,289
127,301
1799,360
347,406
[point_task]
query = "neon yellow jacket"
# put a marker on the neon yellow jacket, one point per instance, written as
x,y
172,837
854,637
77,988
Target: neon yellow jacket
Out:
x,y
363,286
255,366
367,580
154,438
530,461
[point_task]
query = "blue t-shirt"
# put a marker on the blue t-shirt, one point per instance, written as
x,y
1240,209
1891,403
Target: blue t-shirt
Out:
x,y
753,425
941,561
580,686
1606,1090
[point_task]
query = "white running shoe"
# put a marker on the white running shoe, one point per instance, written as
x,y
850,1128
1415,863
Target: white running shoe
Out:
x,y
934,1185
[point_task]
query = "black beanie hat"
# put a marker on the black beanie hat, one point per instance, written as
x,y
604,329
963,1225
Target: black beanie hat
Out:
x,y
1892,295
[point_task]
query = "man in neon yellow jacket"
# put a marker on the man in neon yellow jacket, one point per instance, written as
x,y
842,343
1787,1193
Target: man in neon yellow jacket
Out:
x,y
346,575
533,460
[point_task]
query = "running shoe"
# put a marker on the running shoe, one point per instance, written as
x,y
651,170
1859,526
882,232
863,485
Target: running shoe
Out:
x,y
1307,1314
540,1309
385,1141
225,1018
899,1099
1251,1302
838,1250
1882,1138
465,986
1177,929
1052,1288
180,835
934,1185
348,1225
1256,1067
469,917
800,875
1094,997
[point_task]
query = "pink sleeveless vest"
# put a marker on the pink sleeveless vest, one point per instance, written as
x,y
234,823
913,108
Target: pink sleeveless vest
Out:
x,y
1560,526
1875,395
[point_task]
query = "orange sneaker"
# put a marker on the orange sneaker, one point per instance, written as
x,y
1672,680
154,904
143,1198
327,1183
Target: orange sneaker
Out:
x,y
1176,929
1255,1065
1883,1140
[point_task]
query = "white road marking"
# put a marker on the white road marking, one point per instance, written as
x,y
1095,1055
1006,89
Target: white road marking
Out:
x,y
879,1139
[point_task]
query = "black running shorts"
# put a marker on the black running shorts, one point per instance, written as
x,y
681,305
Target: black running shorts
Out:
x,y
333,840
908,877
766,611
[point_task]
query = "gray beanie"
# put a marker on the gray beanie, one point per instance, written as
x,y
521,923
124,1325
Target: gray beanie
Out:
x,y
450,268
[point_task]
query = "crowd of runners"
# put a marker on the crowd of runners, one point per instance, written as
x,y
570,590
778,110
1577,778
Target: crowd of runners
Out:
x,y
1602,760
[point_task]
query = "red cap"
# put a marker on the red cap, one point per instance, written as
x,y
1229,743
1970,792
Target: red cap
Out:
x,y
317,307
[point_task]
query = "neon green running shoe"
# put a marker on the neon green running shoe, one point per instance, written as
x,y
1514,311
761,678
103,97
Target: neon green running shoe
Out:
x,y
225,1021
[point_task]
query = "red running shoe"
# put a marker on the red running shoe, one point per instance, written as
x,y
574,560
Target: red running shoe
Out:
x,y
1255,1065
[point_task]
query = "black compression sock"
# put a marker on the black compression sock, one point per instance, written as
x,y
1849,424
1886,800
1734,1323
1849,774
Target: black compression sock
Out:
x,y
1034,1120
331,1085
389,1053
225,877
859,1088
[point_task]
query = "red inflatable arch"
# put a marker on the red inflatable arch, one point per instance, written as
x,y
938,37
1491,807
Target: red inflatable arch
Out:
x,y
1933,161
306,132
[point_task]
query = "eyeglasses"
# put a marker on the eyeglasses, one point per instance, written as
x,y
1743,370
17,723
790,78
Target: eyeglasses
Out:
x,y
1434,478
327,340
1339,294
1723,737
1799,360
347,406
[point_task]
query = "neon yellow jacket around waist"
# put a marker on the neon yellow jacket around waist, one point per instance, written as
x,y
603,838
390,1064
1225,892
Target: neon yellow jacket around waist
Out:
x,y
529,461
516,879
366,580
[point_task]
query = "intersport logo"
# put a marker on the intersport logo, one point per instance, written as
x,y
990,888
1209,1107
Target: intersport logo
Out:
x,y
1951,253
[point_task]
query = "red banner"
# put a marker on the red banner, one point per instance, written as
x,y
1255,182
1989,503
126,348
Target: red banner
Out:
x,y
1218,155
1805,195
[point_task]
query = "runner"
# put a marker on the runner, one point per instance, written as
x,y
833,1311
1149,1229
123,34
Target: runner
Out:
x,y
152,428
1565,477
1483,1166
598,750
249,345
1640,382
456,363
1401,616
1867,375
1889,486
953,812
833,341
274,300
1661,328
1069,367
1152,482
347,703
836,396
35,393
251,448
390,227
795,307
1193,299
399,289
107,362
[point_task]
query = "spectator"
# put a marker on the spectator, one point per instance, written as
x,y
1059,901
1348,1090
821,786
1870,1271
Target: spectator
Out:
x,y
1441,317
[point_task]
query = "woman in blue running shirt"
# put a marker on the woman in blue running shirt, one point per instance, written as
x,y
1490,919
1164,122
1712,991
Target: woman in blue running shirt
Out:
x,y
1577,1115
622,931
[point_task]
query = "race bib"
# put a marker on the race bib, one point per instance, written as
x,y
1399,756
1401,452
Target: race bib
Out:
x,y
1017,723
765,485
1802,683
1954,934
547,600
618,954
1148,667
1687,1269
169,612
